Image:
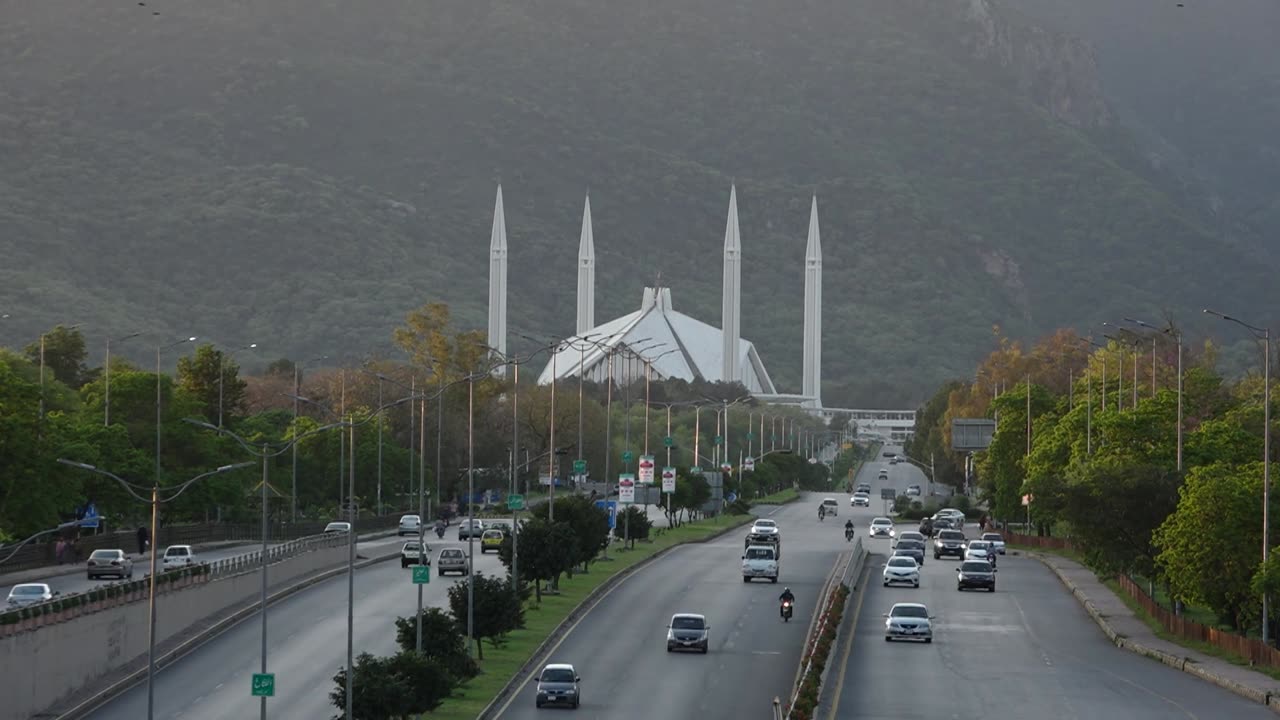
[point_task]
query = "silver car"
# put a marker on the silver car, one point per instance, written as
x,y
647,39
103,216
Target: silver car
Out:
x,y
558,683
29,594
687,631
451,560
908,621
113,563
409,525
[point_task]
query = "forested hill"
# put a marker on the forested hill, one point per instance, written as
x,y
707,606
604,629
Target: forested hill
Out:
x,y
301,173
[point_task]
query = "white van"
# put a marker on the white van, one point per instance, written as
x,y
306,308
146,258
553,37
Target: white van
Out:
x,y
760,561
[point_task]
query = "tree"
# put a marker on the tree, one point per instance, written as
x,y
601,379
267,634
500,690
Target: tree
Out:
x,y
589,524
1002,465
546,550
393,688
497,609
430,339
632,523
199,376
443,640
1114,509
64,355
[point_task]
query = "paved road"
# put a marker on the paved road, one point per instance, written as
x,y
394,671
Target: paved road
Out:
x,y
307,646
619,647
1027,650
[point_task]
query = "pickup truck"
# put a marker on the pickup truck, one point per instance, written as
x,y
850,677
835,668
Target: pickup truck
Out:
x,y
760,561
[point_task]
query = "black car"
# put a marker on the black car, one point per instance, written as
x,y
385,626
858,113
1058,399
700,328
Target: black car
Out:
x,y
944,524
912,549
976,574
948,542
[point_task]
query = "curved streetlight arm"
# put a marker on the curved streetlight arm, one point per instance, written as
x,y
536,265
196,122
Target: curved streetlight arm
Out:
x,y
129,487
184,486
1257,331
42,533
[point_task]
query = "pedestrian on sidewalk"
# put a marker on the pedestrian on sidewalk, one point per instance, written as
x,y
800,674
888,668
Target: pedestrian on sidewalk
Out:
x,y
60,550
144,536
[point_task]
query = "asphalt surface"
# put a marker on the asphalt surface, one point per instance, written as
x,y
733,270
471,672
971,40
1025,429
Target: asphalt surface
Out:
x,y
1026,650
619,648
307,645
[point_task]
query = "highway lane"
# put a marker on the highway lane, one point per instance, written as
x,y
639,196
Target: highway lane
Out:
x,y
306,646
619,647
1027,650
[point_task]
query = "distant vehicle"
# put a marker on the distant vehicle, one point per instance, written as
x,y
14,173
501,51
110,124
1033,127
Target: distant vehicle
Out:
x,y
760,561
491,540
338,527
882,527
505,526
910,535
115,563
468,529
831,505
913,549
908,621
863,488
860,499
558,683
889,454
409,525
451,560
903,570
976,574
945,523
687,631
177,556
29,594
948,542
980,550
411,554
996,540
913,490
893,460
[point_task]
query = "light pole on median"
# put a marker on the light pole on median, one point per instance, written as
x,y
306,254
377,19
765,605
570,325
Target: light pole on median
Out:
x,y
154,500
297,391
1177,336
222,371
1263,334
106,378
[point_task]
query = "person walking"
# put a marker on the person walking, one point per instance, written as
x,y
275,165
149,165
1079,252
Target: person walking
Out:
x,y
144,537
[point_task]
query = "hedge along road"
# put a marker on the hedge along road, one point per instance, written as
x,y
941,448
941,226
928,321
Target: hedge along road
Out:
x,y
619,647
307,645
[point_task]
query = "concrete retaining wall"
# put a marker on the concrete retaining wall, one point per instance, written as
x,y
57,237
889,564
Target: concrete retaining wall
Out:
x,y
41,668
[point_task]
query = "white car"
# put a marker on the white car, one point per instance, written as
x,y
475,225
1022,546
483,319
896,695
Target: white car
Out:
x,y
411,554
860,500
882,527
409,525
980,550
902,569
908,621
760,561
29,594
996,540
338,527
764,527
831,506
177,556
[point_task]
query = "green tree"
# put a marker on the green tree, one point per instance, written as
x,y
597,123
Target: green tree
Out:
x,y
64,355
497,609
199,375
589,523
634,523
393,688
1002,468
1114,509
443,640
546,550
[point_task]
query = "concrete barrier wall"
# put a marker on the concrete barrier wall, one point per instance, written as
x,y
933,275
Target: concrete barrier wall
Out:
x,y
41,668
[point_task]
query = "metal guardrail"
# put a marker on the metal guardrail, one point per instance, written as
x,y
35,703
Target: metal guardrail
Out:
x,y
835,580
253,560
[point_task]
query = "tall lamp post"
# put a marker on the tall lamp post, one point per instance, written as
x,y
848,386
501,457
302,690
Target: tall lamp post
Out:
x,y
1177,336
222,371
154,500
106,378
160,349
297,391
1263,334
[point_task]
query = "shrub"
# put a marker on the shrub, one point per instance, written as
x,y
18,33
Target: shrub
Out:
x,y
962,503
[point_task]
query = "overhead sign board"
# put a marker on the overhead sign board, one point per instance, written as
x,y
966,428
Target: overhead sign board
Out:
x,y
646,470
972,434
887,493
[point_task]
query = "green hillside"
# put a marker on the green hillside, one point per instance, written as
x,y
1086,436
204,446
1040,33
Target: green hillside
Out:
x,y
301,174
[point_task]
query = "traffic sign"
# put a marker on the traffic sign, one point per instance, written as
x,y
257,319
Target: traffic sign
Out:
x,y
751,436
264,685
668,441
421,574
668,479
515,502
719,440
695,470
726,467
626,488
90,519
579,467
627,456
749,464
646,470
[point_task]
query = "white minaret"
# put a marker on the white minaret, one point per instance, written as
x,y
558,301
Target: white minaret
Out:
x,y
498,280
813,310
586,274
731,304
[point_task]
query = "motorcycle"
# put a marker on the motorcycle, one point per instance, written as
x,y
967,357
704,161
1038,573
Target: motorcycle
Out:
x,y
786,611
440,531
848,534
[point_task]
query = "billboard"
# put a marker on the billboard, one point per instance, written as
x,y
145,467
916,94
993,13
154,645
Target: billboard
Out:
x,y
972,434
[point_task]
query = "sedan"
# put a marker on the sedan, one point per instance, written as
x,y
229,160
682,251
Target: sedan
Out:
x,y
996,540
860,500
976,574
115,563
687,631
29,594
411,554
901,569
881,527
908,621
910,535
491,540
451,560
980,550
409,525
338,527
558,683
177,556
910,548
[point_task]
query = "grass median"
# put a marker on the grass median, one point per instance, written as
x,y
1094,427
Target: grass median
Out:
x,y
501,664
779,498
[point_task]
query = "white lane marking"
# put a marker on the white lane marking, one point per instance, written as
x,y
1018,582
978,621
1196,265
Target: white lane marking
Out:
x,y
765,652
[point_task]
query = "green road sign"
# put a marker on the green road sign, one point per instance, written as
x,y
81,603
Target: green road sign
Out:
x,y
264,685
695,470
751,436
579,467
421,574
719,440
627,456
668,441
515,502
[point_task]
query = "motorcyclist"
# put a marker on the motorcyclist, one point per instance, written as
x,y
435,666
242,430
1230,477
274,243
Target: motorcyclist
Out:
x,y
848,527
785,597
822,512
440,528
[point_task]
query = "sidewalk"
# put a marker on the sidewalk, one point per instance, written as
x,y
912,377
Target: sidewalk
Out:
x,y
1130,632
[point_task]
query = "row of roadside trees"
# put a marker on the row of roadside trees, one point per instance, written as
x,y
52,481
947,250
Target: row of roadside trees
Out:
x,y
1086,447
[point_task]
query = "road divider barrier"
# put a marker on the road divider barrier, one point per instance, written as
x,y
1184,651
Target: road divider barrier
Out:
x,y
824,632
77,648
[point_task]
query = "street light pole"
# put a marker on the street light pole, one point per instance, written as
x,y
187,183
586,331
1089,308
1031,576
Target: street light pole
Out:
x,y
222,371
471,510
106,374
380,417
297,391
608,443
351,576
551,458
1177,335
263,601
515,447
